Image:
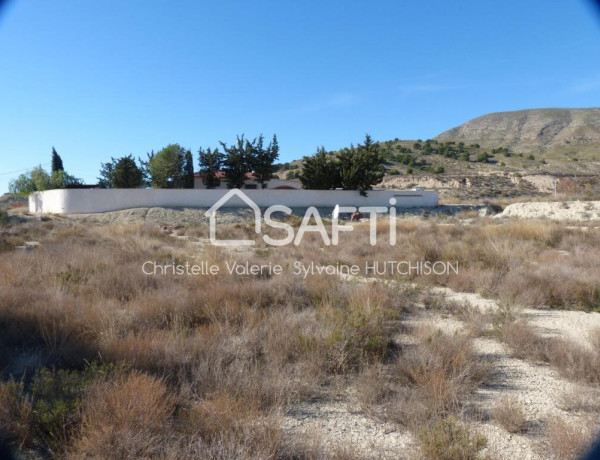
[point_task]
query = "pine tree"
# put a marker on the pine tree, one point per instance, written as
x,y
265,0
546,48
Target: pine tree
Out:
x,y
126,173
320,171
237,161
121,173
211,162
354,168
263,160
361,167
106,174
349,168
57,164
166,168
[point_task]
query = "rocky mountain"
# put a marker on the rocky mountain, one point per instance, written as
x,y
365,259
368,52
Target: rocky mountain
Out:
x,y
535,130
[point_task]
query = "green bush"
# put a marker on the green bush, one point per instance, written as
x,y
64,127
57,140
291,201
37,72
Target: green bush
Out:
x,y
448,439
3,217
483,157
394,172
45,414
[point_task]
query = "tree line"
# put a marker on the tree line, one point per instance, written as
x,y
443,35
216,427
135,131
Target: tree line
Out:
x,y
353,168
38,179
172,167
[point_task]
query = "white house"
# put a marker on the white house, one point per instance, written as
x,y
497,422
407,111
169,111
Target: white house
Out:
x,y
251,183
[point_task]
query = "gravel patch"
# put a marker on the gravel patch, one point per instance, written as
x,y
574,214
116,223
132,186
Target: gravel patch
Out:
x,y
340,426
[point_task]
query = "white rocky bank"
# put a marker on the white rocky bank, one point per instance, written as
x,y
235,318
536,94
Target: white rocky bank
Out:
x,y
559,210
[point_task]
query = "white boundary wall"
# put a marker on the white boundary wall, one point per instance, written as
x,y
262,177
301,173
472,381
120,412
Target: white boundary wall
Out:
x,y
83,201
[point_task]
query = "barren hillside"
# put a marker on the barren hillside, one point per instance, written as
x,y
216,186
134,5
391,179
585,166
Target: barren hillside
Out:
x,y
534,130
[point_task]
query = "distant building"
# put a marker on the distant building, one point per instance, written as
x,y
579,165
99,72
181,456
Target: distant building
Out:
x,y
251,183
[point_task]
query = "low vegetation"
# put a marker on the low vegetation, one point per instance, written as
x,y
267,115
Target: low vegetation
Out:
x,y
102,360
510,415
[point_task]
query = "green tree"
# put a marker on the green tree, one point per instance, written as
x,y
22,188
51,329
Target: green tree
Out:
x,y
262,160
106,174
57,164
319,171
61,179
362,167
211,162
38,180
121,173
126,173
188,170
237,162
166,168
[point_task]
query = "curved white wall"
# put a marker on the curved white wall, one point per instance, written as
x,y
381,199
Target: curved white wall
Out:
x,y
82,201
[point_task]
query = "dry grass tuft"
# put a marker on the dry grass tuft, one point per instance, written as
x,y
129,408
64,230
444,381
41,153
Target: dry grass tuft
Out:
x,y
510,415
567,441
432,378
449,439
581,399
234,421
524,341
127,418
442,370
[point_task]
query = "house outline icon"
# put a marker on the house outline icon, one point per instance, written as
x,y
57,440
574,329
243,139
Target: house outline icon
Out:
x,y
212,214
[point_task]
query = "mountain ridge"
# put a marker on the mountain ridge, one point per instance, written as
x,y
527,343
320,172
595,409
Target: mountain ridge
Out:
x,y
531,130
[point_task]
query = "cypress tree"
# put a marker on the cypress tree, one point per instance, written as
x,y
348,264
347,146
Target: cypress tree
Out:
x,y
57,164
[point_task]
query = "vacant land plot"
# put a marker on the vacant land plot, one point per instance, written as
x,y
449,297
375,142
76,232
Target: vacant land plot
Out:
x,y
100,359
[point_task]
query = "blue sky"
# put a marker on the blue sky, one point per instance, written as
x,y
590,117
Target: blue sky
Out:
x,y
102,79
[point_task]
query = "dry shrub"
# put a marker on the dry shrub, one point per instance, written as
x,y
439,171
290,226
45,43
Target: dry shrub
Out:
x,y
311,446
567,441
510,415
374,387
449,439
356,325
128,418
540,231
15,413
576,362
524,341
532,262
437,375
229,420
294,342
553,284
581,399
476,319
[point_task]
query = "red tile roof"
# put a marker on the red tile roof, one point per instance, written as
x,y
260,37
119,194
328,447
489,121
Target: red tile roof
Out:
x,y
221,175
